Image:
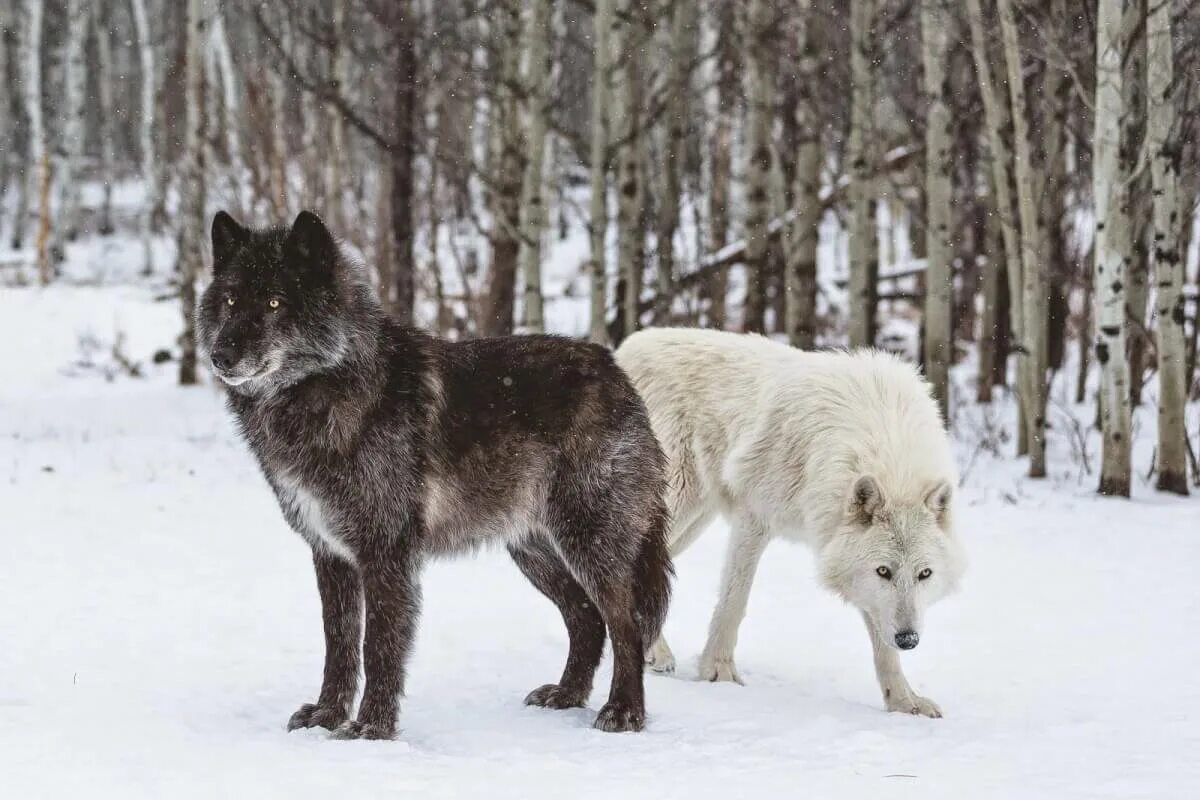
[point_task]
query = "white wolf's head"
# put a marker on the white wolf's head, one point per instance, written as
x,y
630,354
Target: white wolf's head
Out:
x,y
891,559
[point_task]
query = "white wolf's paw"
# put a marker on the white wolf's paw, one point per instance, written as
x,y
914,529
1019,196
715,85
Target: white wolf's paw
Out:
x,y
660,658
719,668
913,704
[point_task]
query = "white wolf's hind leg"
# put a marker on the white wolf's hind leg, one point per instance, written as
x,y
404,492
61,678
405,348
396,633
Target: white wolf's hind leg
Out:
x,y
897,694
747,541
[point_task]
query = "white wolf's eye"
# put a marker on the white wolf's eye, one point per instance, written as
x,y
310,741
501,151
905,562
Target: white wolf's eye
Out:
x,y
229,300
884,573
923,574
273,302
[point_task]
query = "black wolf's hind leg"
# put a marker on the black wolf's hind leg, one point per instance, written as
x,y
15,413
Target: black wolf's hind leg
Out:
x,y
342,612
585,627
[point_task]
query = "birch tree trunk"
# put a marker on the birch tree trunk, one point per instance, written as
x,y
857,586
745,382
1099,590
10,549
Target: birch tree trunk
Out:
x,y
598,217
1163,150
539,62
627,126
145,45
279,157
863,247
1033,286
77,22
403,155
800,276
1135,198
939,167
191,246
506,174
720,159
101,18
1112,237
758,164
679,56
37,167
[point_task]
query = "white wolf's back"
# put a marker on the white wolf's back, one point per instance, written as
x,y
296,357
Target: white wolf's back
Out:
x,y
783,431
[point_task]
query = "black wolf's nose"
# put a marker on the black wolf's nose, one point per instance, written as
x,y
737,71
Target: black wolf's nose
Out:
x,y
224,357
907,640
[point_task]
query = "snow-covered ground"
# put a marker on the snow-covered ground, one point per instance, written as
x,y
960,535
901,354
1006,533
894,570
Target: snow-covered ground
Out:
x,y
159,623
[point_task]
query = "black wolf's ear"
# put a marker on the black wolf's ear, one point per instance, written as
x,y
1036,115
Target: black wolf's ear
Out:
x,y
938,500
866,499
227,238
310,246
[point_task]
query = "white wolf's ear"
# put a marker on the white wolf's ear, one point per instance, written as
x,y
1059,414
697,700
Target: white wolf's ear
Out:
x,y
866,498
310,245
227,238
938,500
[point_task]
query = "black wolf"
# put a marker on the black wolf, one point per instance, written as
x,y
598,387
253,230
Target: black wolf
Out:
x,y
386,445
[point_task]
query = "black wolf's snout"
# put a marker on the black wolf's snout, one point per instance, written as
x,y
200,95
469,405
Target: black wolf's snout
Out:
x,y
224,356
907,640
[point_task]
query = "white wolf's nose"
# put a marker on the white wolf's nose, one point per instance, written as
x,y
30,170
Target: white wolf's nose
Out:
x,y
907,640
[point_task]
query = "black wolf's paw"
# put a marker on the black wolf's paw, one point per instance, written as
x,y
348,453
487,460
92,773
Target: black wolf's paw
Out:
x,y
312,715
554,696
353,729
620,718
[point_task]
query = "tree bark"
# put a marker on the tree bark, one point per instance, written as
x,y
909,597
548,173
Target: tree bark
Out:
x,y
1164,151
598,217
939,169
505,192
1112,243
36,165
715,289
539,64
403,155
758,163
678,90
1033,284
101,19
335,200
191,238
630,192
864,252
800,277
71,154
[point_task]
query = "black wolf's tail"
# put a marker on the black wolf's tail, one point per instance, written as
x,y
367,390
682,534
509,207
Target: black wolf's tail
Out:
x,y
652,580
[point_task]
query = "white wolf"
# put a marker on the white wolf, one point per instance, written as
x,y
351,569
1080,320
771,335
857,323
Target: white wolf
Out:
x,y
844,451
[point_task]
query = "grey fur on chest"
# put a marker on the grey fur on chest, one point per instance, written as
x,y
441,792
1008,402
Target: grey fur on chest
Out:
x,y
309,516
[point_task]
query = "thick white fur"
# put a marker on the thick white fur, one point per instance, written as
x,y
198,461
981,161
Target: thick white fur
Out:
x,y
843,451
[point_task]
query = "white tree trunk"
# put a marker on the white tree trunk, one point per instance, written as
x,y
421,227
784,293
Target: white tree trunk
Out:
x,y
220,64
627,127
37,167
758,163
863,255
1033,283
75,77
1161,146
939,196
678,72
1112,237
141,24
100,27
598,216
193,182
538,66
800,276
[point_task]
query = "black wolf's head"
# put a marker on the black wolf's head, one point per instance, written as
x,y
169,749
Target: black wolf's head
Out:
x,y
283,304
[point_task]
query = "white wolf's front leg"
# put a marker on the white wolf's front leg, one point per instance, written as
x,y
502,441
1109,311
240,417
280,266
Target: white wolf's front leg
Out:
x,y
747,541
660,658
897,694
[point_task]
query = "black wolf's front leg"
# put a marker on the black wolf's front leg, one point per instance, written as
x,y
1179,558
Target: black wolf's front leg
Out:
x,y
342,612
393,601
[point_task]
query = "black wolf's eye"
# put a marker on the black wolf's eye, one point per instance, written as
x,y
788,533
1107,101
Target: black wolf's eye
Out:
x,y
923,574
229,300
273,303
884,573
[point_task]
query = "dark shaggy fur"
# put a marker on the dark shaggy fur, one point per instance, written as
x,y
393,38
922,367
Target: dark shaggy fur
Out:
x,y
386,445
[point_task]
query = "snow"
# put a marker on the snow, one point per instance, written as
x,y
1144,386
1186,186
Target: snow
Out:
x,y
159,623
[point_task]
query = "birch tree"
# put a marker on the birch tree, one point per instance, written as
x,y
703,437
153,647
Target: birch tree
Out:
x,y
192,227
864,260
336,156
1164,151
101,18
74,78
939,166
538,64
37,165
758,163
678,72
145,48
1033,288
598,217
1112,235
720,159
800,276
